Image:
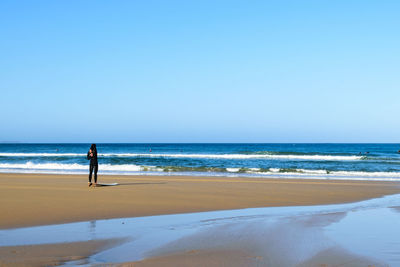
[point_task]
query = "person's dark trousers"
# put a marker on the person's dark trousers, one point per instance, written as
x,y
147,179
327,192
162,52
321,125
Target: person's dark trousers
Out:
x,y
91,169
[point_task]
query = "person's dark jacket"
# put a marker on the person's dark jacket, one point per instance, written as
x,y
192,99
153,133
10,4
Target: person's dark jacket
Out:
x,y
93,159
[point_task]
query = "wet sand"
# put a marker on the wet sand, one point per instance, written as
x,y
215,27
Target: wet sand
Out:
x,y
396,209
339,257
293,241
199,258
52,254
40,199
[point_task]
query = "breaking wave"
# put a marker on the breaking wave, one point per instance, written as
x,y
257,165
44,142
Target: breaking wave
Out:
x,y
252,172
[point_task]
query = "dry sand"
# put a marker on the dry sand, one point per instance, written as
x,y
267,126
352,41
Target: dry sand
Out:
x,y
39,199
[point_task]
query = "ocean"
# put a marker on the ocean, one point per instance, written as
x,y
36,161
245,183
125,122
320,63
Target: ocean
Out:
x,y
319,161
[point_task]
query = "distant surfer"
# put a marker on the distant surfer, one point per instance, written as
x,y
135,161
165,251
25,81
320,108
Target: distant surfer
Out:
x,y
94,165
150,150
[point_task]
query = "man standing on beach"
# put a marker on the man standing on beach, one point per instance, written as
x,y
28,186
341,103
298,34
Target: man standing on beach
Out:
x,y
94,165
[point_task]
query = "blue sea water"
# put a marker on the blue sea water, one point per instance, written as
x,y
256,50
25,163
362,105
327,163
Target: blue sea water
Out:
x,y
326,161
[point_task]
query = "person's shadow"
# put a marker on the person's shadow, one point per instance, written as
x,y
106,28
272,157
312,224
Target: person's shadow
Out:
x,y
127,184
142,183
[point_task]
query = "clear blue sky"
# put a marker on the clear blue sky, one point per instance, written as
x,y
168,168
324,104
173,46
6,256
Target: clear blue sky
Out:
x,y
200,71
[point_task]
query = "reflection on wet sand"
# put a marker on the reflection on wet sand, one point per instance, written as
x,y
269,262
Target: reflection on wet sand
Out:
x,y
53,254
277,236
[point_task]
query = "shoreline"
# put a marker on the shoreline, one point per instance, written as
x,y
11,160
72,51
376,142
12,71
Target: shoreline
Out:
x,y
41,199
297,174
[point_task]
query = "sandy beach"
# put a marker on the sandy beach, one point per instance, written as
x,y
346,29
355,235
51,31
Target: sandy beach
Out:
x,y
41,199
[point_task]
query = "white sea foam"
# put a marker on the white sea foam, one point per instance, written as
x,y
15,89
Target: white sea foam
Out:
x,y
43,166
41,154
232,169
31,167
73,166
200,156
325,173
